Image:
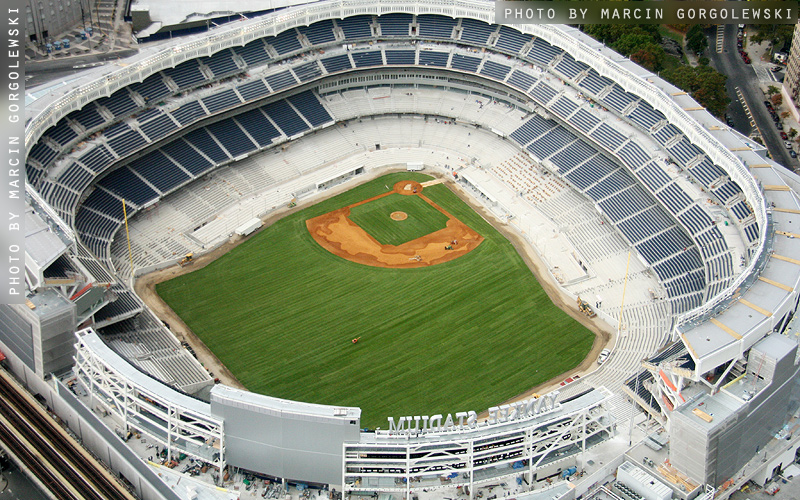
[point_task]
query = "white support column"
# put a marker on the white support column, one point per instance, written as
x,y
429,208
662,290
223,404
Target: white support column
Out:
x,y
471,463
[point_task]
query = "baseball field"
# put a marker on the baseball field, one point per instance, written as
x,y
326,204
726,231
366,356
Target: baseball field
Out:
x,y
463,333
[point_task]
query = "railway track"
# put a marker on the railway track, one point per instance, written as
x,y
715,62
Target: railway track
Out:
x,y
59,463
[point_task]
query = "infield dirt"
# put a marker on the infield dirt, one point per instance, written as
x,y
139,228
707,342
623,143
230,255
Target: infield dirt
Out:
x,y
336,233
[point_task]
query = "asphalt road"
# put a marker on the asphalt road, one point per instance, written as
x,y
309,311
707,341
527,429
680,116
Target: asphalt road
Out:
x,y
743,76
39,72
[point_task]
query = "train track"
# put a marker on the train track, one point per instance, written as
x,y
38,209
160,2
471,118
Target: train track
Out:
x,y
57,461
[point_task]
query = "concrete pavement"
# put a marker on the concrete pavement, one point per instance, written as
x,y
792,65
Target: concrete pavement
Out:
x,y
111,38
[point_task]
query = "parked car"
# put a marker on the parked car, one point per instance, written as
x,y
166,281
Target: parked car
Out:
x,y
768,104
787,144
603,356
779,125
792,153
784,136
729,120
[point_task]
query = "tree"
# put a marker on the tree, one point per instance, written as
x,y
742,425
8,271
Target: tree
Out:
x,y
776,99
772,89
696,40
610,33
704,83
779,34
651,56
792,133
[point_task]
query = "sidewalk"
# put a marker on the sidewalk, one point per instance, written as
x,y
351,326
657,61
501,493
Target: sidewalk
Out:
x,y
762,65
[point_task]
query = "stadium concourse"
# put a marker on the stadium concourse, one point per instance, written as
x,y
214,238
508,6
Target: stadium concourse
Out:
x,y
674,228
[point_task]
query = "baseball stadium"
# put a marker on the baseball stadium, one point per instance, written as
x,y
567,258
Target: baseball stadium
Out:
x,y
347,248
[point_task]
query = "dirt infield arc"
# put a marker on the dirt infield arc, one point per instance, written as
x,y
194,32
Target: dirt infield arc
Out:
x,y
335,232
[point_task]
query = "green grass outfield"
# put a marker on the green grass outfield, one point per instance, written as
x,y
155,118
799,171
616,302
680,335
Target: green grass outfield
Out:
x,y
375,218
280,312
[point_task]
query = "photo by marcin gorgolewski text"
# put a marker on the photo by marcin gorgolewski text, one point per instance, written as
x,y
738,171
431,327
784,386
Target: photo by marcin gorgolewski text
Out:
x,y
647,12
12,196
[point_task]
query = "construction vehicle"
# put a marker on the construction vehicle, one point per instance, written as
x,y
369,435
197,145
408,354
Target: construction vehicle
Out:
x,y
585,308
188,259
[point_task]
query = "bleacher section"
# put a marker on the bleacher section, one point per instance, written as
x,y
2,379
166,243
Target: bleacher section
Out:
x,y
309,106
88,117
334,64
433,58
145,342
511,40
395,24
400,57
152,88
475,31
221,64
254,53
119,104
185,75
258,127
177,162
465,63
318,33
366,59
159,171
231,137
280,81
432,26
355,27
633,210
221,100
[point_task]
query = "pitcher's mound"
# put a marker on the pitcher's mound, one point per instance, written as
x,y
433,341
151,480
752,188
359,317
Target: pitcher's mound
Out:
x,y
399,216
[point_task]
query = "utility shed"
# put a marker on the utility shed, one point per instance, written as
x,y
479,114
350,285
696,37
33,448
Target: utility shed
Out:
x,y
249,227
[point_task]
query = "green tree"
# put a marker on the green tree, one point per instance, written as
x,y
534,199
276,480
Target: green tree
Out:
x,y
779,34
651,56
639,43
792,133
704,83
696,40
611,33
772,89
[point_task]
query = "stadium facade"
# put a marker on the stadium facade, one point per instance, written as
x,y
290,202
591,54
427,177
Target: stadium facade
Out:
x,y
709,218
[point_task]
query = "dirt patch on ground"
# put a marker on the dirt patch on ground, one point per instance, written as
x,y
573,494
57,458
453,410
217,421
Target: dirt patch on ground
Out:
x,y
339,235
145,289
398,216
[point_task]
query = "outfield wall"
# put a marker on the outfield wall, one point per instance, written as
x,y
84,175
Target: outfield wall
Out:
x,y
323,444
285,438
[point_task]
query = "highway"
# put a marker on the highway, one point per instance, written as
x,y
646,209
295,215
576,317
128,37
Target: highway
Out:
x,y
65,468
